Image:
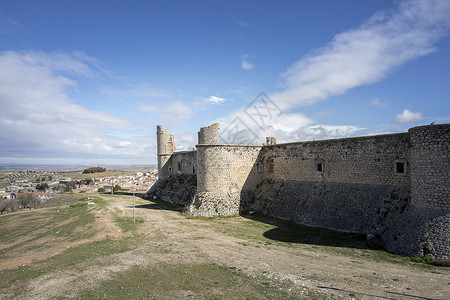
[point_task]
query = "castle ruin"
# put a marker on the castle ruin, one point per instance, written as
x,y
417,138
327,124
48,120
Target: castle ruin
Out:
x,y
393,186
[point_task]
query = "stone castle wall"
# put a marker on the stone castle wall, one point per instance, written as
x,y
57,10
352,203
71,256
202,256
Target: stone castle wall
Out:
x,y
363,160
343,184
430,179
226,172
394,186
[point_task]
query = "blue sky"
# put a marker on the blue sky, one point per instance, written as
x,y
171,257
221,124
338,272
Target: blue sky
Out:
x,y
86,82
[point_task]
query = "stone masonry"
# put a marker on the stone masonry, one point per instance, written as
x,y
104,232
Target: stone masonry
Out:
x,y
393,187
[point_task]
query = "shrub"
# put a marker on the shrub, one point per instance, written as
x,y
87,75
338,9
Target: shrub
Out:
x,y
101,190
8,205
27,200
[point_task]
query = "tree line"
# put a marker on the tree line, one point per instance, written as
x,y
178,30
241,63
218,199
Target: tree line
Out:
x,y
94,170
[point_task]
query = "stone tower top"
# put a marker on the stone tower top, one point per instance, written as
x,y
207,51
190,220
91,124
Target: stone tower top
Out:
x,y
165,141
208,135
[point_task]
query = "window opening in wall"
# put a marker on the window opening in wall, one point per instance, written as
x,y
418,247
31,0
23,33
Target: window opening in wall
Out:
x,y
260,167
179,166
400,167
169,168
319,167
193,169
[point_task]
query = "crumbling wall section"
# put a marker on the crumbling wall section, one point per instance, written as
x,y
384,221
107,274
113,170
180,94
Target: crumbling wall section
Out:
x,y
179,189
208,135
165,144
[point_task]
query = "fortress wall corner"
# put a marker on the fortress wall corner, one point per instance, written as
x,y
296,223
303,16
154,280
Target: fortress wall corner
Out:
x,y
430,166
424,229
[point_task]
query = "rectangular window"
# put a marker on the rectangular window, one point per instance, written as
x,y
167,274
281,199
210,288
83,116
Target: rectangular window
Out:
x,y
400,167
179,166
260,167
319,166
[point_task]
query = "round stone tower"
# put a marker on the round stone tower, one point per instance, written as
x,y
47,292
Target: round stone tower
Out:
x,y
166,146
430,166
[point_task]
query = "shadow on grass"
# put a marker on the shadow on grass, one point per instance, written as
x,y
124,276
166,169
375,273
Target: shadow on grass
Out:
x,y
158,204
290,232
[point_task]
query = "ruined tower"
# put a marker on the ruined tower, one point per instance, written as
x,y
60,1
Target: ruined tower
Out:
x,y
166,146
208,135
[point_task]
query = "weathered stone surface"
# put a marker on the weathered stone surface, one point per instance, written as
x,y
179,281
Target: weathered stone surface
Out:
x,y
359,208
179,189
394,186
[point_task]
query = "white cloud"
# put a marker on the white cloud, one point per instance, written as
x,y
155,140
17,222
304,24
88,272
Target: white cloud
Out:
x,y
240,128
408,116
40,121
377,102
366,54
245,64
215,100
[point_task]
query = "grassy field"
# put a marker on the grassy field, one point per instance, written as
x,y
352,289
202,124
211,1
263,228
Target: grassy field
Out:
x,y
167,255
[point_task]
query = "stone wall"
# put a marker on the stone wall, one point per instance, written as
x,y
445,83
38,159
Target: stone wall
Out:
x,y
430,160
343,184
363,160
395,186
178,188
359,208
424,229
226,172
178,163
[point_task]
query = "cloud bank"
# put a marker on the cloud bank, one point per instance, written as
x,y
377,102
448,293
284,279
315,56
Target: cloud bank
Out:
x,y
366,54
353,58
40,121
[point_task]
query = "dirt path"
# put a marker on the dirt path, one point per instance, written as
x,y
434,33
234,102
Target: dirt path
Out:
x,y
325,272
167,236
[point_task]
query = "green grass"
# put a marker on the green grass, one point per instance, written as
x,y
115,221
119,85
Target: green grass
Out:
x,y
127,224
266,231
70,259
64,199
4,184
35,229
189,281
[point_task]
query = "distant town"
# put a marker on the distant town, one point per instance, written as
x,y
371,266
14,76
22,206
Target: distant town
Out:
x,y
46,184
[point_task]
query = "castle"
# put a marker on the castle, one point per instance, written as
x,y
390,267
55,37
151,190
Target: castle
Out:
x,y
395,186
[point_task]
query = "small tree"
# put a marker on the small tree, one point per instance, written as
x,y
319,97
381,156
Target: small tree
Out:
x,y
42,187
7,205
117,188
27,200
101,190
